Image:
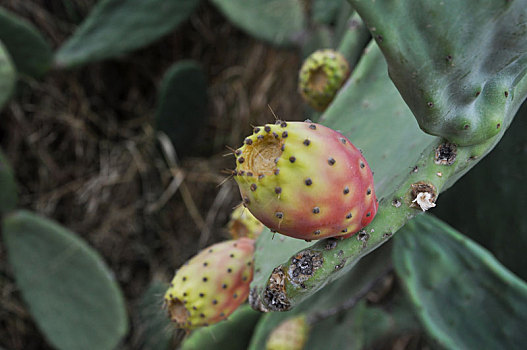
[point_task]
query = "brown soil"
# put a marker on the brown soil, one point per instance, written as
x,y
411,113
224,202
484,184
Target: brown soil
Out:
x,y
86,154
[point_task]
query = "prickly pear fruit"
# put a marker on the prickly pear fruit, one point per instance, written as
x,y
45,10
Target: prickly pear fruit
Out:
x,y
211,285
291,334
321,76
244,224
305,180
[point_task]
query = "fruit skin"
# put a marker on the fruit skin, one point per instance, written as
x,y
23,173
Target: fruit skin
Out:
x,y
321,76
291,334
244,224
304,180
211,285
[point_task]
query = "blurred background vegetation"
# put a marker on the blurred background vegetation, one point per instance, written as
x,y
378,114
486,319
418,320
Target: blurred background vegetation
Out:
x,y
86,153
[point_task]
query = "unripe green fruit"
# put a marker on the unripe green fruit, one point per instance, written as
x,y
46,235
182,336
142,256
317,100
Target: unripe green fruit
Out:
x,y
321,76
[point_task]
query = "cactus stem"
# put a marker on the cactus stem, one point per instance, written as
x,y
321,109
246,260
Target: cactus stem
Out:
x,y
274,296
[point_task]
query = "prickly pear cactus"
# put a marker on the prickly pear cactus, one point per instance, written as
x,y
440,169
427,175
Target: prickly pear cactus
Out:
x,y
411,169
463,80
211,285
305,180
244,224
355,38
321,76
448,278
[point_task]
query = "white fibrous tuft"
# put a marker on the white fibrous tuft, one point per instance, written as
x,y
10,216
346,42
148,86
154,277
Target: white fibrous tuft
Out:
x,y
424,200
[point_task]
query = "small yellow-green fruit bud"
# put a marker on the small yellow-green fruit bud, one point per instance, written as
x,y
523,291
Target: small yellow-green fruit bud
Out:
x,y
321,76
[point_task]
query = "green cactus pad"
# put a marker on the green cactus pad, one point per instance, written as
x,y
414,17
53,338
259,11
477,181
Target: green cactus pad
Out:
x,y
69,290
7,76
8,191
115,27
154,328
354,39
232,335
501,179
321,76
486,305
30,51
411,168
182,105
280,22
326,12
356,328
459,65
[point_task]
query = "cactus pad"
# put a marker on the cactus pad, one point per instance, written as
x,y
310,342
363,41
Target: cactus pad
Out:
x,y
69,290
182,105
277,21
115,27
459,65
444,270
31,53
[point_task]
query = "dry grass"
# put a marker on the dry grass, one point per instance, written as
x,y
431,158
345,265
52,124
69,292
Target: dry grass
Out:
x,y
85,152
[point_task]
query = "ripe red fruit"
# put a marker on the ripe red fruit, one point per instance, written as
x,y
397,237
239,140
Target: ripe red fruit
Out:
x,y
305,180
